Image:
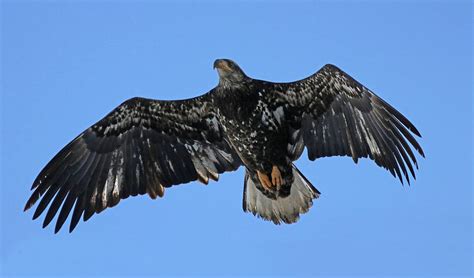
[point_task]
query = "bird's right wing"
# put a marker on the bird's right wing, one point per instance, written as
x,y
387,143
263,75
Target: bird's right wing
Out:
x,y
337,115
140,147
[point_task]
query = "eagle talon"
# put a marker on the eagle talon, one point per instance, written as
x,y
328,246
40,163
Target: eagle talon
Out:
x,y
276,176
264,180
275,181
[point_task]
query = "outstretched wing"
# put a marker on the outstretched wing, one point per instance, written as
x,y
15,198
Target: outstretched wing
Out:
x,y
141,147
336,115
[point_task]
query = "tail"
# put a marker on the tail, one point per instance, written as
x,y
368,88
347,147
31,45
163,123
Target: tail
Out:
x,y
287,209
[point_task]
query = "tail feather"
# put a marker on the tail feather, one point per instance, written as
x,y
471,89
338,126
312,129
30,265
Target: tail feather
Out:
x,y
281,209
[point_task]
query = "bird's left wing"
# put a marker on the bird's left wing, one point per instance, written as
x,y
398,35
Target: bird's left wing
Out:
x,y
140,147
336,115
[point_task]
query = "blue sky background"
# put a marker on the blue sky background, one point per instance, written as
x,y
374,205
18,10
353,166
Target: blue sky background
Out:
x,y
66,65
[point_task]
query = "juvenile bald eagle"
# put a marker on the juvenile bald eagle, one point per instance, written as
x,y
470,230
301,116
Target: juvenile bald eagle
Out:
x,y
144,145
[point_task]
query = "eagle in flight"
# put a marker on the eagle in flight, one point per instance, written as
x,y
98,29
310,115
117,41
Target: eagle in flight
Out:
x,y
145,145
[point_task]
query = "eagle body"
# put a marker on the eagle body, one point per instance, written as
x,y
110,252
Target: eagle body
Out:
x,y
252,108
145,146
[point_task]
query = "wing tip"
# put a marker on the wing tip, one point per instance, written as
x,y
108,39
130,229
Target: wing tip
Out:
x,y
28,205
415,131
421,152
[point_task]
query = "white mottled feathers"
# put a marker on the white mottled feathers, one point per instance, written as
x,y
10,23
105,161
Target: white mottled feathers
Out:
x,y
144,145
140,147
339,116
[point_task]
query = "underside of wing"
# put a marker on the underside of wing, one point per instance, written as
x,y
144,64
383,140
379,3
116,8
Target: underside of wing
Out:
x,y
143,146
340,117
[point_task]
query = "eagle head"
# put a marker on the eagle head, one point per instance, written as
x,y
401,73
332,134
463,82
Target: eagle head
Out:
x,y
229,72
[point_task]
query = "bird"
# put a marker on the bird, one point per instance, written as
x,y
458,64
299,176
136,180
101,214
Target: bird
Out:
x,y
145,146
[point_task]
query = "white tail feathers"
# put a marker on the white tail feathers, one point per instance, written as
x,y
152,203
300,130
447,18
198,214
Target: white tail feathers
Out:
x,y
286,209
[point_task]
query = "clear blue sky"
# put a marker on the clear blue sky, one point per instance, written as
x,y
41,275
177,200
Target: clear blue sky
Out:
x,y
64,66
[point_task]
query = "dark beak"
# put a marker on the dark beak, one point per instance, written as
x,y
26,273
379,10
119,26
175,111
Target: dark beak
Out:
x,y
216,63
222,65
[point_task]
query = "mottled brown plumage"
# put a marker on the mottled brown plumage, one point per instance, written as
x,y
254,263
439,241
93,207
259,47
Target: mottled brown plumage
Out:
x,y
144,146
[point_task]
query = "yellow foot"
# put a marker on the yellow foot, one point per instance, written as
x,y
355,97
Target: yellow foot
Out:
x,y
276,176
264,180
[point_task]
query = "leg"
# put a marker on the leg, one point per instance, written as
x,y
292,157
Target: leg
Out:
x,y
264,180
275,181
276,176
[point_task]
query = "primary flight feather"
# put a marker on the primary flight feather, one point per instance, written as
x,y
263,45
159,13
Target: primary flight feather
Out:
x,y
144,145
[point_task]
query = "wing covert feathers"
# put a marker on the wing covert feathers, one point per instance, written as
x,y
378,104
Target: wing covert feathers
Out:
x,y
340,117
141,147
